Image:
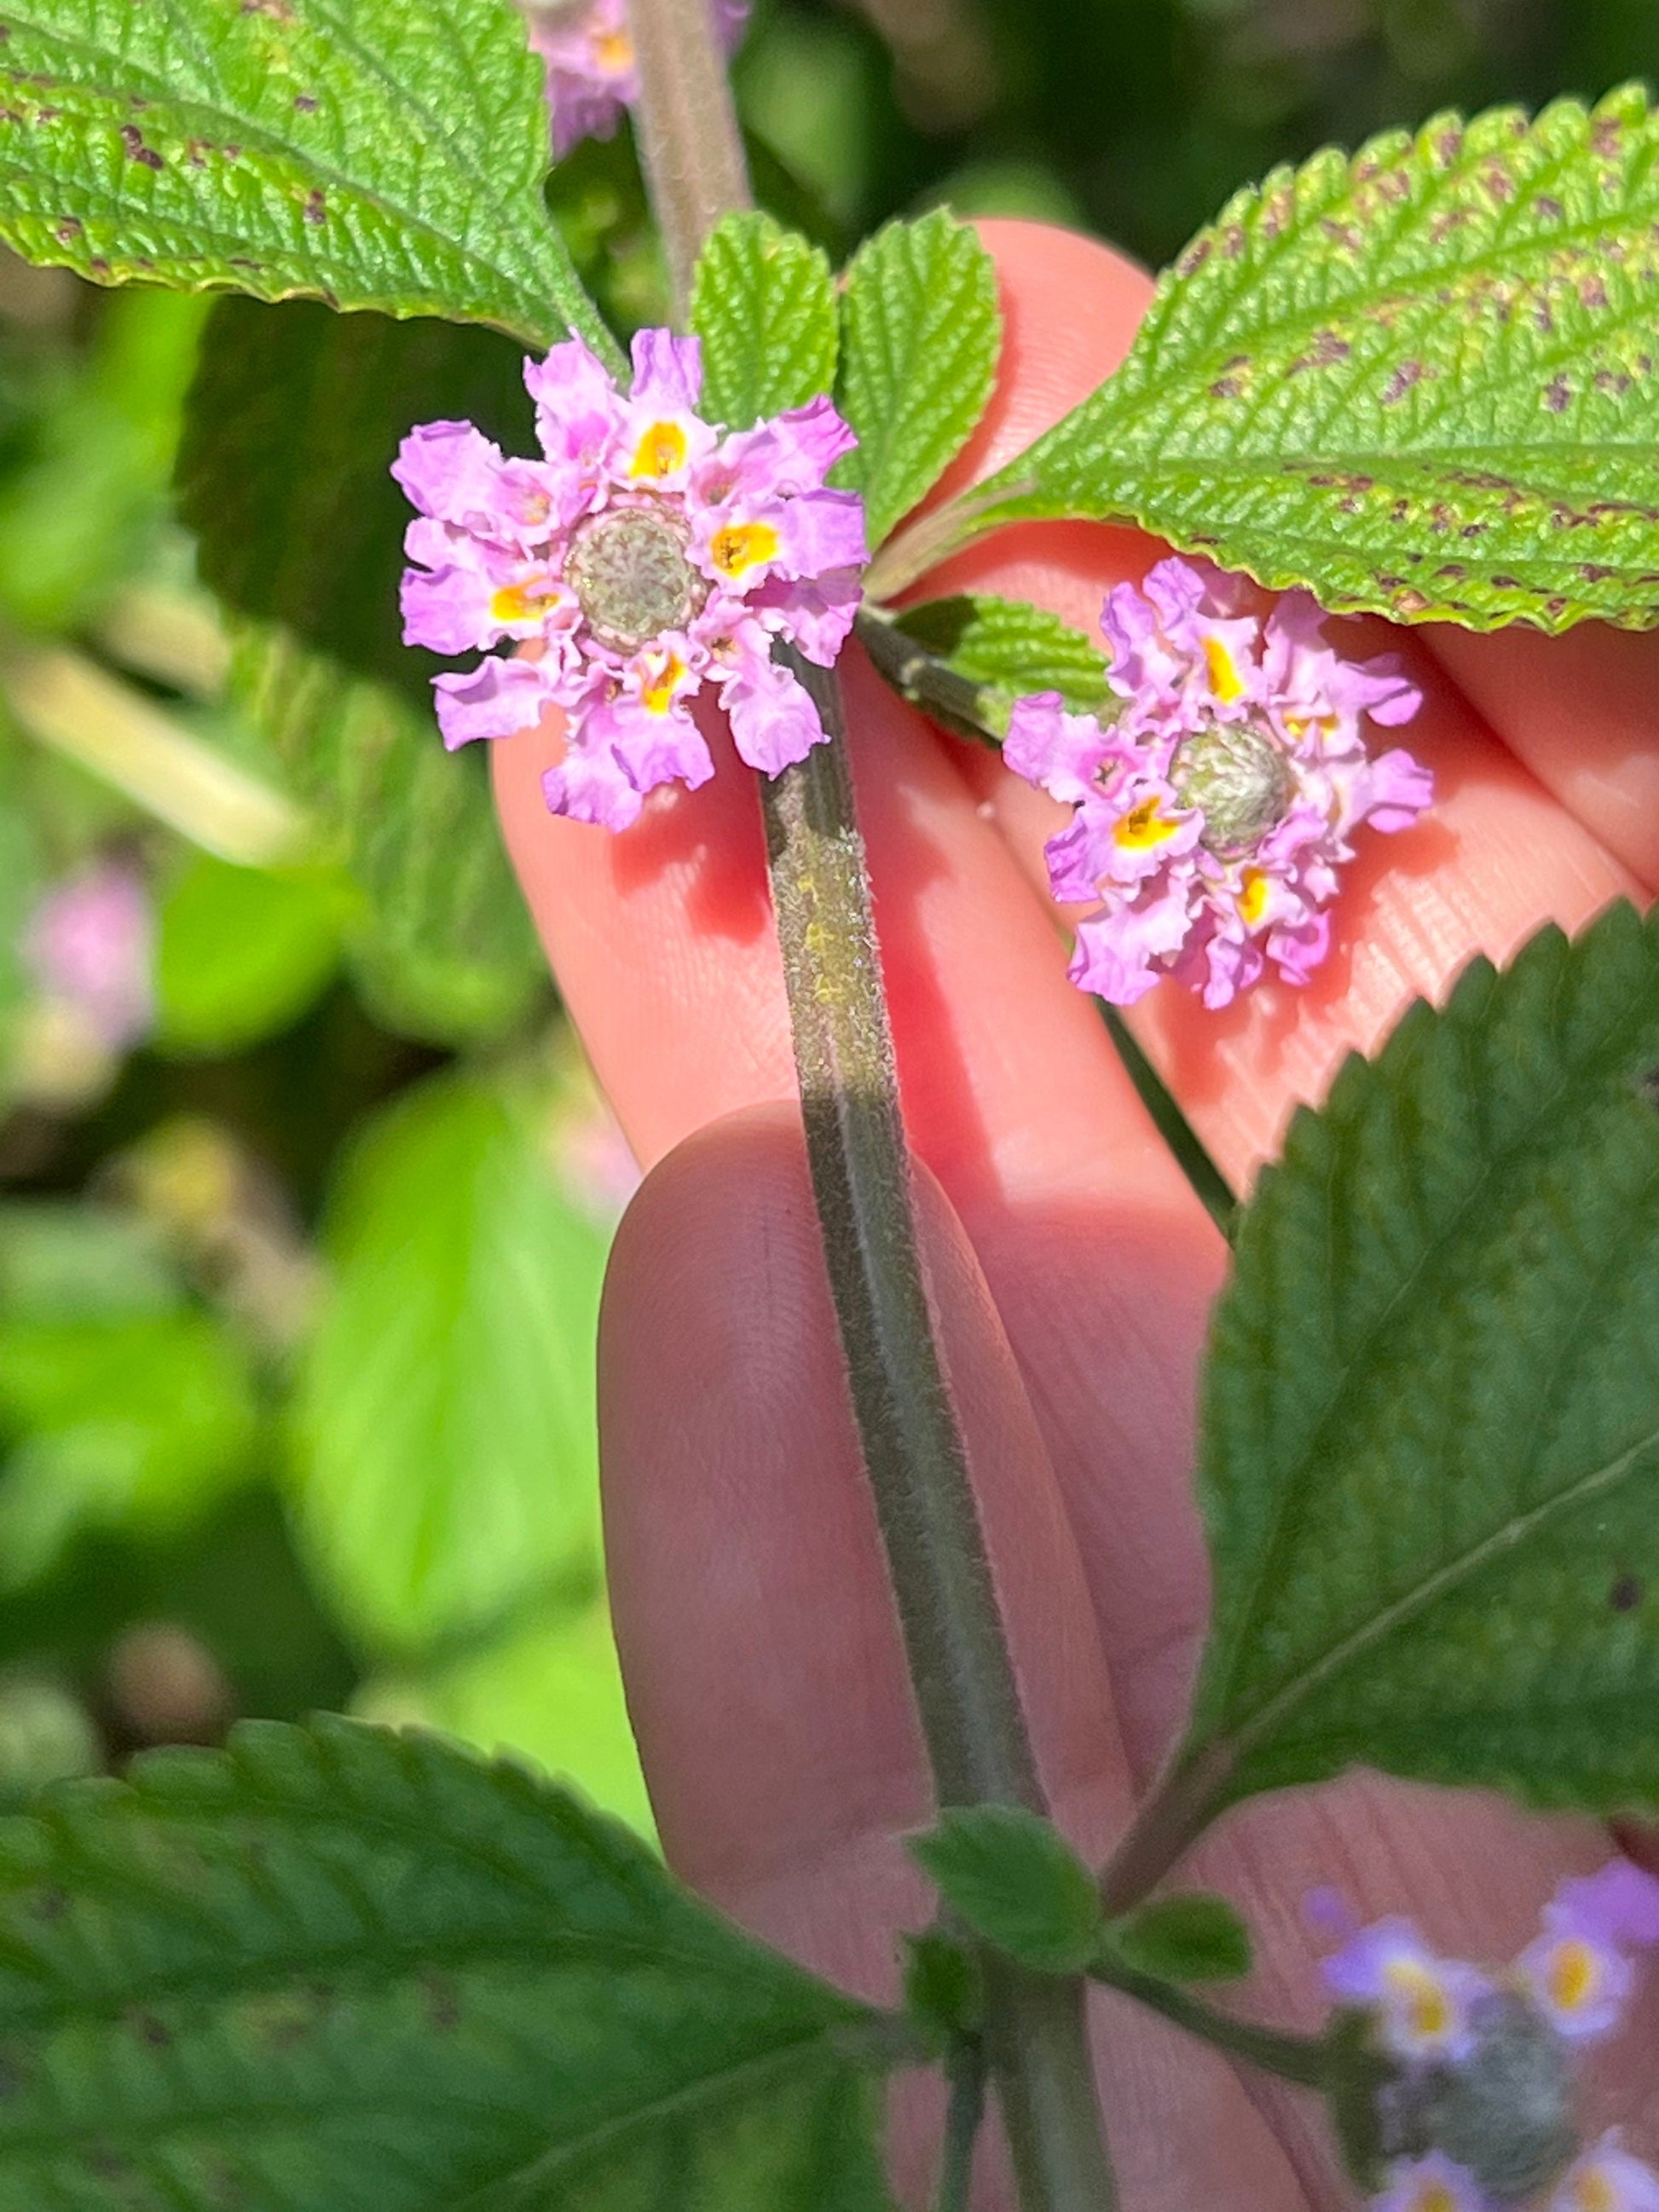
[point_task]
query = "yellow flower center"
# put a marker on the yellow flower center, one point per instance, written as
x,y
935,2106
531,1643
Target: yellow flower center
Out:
x,y
1593,2192
517,603
1224,679
1252,898
613,53
1427,2007
1573,1975
1140,830
658,692
1436,2197
659,451
742,546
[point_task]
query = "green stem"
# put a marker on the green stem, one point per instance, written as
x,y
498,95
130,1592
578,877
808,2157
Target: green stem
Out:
x,y
924,679
1183,1801
1305,2059
965,2070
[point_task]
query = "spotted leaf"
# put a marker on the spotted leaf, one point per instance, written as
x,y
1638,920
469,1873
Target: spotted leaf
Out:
x,y
1423,381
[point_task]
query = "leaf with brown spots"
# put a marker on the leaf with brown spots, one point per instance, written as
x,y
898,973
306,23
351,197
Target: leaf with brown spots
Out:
x,y
383,154
401,1980
1422,382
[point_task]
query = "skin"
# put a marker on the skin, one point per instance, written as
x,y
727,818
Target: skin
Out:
x,y
1074,1271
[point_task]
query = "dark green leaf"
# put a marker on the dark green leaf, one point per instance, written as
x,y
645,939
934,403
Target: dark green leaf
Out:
x,y
342,1970
242,953
1430,1461
292,426
1189,1938
1421,380
764,306
944,1986
1015,1881
447,1461
967,660
371,153
921,334
448,948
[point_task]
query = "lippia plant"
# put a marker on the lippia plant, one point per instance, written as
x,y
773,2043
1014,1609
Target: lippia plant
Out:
x,y
342,1968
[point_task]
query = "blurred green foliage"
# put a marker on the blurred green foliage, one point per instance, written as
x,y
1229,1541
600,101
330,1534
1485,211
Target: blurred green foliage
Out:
x,y
297,1298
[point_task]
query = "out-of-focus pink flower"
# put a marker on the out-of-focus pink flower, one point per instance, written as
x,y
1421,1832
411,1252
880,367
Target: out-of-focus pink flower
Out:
x,y
1607,2179
591,75
646,555
88,947
1579,1972
1434,2184
1423,2003
1212,815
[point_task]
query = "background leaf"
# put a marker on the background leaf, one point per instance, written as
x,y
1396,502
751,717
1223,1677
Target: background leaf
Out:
x,y
1191,1937
764,306
1420,381
242,953
446,1459
1430,1461
920,333
371,153
1015,1881
406,1982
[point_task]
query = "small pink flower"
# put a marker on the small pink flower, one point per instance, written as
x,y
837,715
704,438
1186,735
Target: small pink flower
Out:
x,y
89,947
1424,2003
1214,813
590,76
1434,2184
1607,2179
1577,1972
648,555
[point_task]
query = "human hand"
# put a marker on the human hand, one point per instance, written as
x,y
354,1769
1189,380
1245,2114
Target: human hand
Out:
x,y
1073,1269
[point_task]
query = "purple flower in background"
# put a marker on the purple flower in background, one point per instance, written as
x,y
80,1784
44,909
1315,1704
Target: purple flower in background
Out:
x,y
88,947
647,556
590,76
1212,815
1475,2113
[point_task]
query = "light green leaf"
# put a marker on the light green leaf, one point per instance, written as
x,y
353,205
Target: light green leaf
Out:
x,y
61,1260
1430,1461
1421,380
1192,1937
446,1461
242,953
549,1691
447,948
1015,1881
338,1969
967,661
139,1423
764,305
370,152
921,334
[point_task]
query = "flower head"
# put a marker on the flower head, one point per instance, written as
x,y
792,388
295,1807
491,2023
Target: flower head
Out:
x,y
591,75
1214,814
88,947
646,555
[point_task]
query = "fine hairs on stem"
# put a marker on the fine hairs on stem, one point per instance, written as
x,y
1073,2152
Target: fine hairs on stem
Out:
x,y
967,1697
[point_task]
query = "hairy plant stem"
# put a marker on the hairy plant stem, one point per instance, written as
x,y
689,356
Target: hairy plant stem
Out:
x,y
1036,2035
965,2070
1305,2059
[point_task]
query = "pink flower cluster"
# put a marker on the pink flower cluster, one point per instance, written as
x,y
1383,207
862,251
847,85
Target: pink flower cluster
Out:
x,y
88,946
1442,2021
590,76
644,557
1214,813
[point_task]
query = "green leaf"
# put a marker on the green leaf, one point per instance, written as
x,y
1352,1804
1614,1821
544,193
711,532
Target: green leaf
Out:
x,y
447,947
65,1261
291,425
921,334
1193,1937
1421,380
337,1969
551,1691
140,1422
447,1463
370,152
1017,1882
242,953
764,305
944,1986
968,660
1430,1461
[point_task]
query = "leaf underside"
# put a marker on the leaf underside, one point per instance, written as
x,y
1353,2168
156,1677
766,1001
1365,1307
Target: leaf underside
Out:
x,y
340,1970
1010,648
1430,1464
1422,382
371,153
